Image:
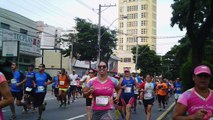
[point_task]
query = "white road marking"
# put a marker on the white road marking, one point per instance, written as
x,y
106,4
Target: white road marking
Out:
x,y
80,116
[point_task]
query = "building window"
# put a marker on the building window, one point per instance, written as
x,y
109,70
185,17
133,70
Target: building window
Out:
x,y
23,31
144,23
143,31
144,15
126,59
5,26
144,7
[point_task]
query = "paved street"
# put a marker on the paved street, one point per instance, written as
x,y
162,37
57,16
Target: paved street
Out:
x,y
74,111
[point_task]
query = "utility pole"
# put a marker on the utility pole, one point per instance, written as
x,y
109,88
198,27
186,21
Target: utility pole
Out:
x,y
99,30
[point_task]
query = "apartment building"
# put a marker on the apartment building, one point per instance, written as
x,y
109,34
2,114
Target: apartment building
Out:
x,y
136,26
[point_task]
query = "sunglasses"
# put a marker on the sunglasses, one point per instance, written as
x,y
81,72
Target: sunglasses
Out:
x,y
40,66
203,75
102,66
91,72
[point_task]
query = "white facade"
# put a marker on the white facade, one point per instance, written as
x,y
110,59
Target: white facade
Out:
x,y
15,27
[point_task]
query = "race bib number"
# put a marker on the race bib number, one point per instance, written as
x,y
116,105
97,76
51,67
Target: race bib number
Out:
x,y
147,95
61,83
128,90
13,81
178,88
28,89
40,88
102,100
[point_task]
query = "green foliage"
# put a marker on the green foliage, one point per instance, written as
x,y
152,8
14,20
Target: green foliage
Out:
x,y
186,75
148,61
85,41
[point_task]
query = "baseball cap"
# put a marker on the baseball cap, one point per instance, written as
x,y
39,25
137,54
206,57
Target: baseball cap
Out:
x,y
202,69
134,72
117,76
126,70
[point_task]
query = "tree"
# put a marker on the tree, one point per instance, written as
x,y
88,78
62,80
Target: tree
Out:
x,y
196,16
85,41
148,61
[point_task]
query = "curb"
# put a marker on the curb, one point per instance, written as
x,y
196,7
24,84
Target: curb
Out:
x,y
166,112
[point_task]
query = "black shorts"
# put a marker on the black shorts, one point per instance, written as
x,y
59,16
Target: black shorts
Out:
x,y
73,88
31,93
161,99
17,95
148,102
39,99
88,101
56,91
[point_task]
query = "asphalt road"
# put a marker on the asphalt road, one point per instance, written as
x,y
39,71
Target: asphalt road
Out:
x,y
74,111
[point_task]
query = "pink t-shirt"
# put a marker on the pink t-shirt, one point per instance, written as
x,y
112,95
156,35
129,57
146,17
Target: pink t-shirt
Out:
x,y
194,102
103,93
2,79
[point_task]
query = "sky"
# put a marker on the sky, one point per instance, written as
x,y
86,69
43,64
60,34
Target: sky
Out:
x,y
61,13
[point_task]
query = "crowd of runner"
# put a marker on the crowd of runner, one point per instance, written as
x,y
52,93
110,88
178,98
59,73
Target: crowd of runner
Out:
x,y
122,92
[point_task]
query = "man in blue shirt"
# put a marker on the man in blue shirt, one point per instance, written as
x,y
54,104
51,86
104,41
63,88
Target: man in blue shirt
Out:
x,y
29,88
40,83
16,88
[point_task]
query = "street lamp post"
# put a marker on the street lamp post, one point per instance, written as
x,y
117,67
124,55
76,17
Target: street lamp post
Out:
x,y
136,57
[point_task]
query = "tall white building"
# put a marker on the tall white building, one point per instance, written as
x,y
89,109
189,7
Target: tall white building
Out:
x,y
136,25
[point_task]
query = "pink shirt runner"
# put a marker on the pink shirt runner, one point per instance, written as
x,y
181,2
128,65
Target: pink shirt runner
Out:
x,y
2,79
103,93
194,102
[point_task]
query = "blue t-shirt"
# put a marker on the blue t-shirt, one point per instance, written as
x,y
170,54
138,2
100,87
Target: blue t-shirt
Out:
x,y
40,79
178,87
17,78
30,77
55,84
128,92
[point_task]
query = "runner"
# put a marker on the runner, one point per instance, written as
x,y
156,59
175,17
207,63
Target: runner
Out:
x,y
63,87
148,89
161,93
79,87
55,86
16,89
127,95
40,84
136,92
92,74
196,103
102,88
73,86
29,89
178,89
5,94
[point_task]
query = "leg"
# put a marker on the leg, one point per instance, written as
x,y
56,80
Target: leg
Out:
x,y
128,111
149,111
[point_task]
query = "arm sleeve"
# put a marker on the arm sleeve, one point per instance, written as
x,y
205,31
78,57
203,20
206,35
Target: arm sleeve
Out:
x,y
2,78
49,77
184,98
115,81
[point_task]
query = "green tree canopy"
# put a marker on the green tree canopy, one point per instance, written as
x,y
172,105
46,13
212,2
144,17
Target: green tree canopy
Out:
x,y
85,41
148,61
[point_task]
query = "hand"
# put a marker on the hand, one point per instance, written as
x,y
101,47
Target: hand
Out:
x,y
116,100
91,90
45,84
18,84
123,87
199,114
